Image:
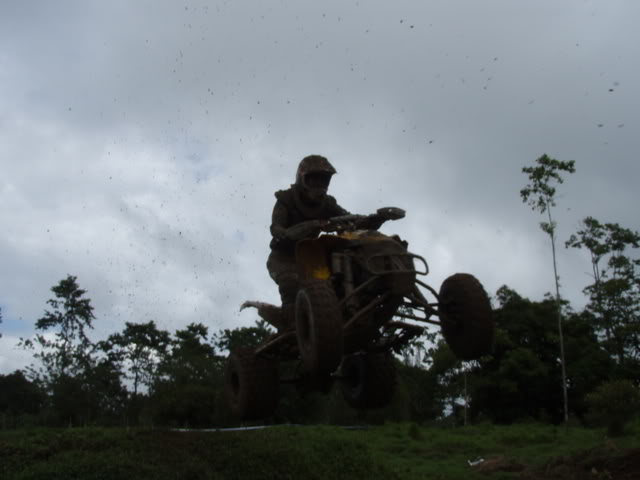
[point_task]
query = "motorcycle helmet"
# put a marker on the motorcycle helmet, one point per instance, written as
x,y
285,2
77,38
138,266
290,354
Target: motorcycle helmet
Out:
x,y
313,178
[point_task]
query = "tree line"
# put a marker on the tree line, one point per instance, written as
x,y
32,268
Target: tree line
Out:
x,y
549,362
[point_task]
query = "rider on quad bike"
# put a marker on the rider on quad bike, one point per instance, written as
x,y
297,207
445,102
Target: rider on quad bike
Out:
x,y
351,297
300,212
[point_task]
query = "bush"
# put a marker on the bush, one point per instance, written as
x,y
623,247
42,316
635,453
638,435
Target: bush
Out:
x,y
614,404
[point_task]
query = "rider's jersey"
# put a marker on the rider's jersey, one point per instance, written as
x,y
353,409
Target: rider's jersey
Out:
x,y
290,210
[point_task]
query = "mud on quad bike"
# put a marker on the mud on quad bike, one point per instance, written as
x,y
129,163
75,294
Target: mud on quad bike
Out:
x,y
360,299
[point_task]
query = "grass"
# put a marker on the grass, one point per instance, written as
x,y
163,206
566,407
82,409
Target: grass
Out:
x,y
283,453
436,453
392,451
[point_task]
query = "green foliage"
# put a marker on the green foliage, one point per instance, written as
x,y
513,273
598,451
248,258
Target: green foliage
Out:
x,y
448,373
189,383
80,389
415,353
540,192
69,351
249,337
19,399
423,392
184,373
614,295
137,351
614,404
588,364
519,380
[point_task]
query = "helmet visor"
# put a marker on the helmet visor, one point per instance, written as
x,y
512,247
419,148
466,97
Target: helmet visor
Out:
x,y
317,180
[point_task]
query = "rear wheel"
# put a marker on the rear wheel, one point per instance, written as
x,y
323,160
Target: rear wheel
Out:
x,y
465,316
251,385
368,380
319,327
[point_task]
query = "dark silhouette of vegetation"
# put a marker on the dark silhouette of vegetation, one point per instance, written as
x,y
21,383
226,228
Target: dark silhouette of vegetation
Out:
x,y
614,404
519,380
614,295
137,350
147,376
187,390
68,351
20,400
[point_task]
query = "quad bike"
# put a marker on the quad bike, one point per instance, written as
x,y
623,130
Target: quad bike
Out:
x,y
360,299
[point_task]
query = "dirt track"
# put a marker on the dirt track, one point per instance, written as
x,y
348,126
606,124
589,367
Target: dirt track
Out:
x,y
595,464
601,463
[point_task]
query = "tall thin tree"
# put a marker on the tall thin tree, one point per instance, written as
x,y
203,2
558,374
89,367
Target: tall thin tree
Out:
x,y
540,195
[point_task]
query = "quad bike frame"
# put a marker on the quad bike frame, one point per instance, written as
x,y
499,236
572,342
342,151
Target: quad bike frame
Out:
x,y
360,299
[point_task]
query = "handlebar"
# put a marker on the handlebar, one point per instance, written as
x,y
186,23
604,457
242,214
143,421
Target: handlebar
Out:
x,y
358,222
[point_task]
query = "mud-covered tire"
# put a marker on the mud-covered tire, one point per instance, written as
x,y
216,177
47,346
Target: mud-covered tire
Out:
x,y
251,385
368,381
319,327
465,316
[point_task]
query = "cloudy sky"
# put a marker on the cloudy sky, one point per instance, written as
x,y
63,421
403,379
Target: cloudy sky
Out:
x,y
141,142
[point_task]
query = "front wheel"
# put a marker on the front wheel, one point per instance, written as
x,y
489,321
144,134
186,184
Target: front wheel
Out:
x,y
251,385
465,316
319,327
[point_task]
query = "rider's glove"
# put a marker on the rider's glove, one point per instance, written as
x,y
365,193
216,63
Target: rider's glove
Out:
x,y
372,222
308,229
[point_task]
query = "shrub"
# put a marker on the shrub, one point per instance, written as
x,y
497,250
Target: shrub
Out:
x,y
614,404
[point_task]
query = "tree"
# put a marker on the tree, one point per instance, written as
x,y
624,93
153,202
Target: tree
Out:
x,y
68,352
519,379
249,337
18,397
614,404
138,350
78,385
450,375
424,392
106,395
189,385
415,353
588,364
540,195
614,295
192,358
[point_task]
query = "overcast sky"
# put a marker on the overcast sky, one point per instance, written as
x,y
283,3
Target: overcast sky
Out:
x,y
141,142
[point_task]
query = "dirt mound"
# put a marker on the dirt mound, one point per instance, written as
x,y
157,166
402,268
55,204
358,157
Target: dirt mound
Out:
x,y
498,464
600,463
